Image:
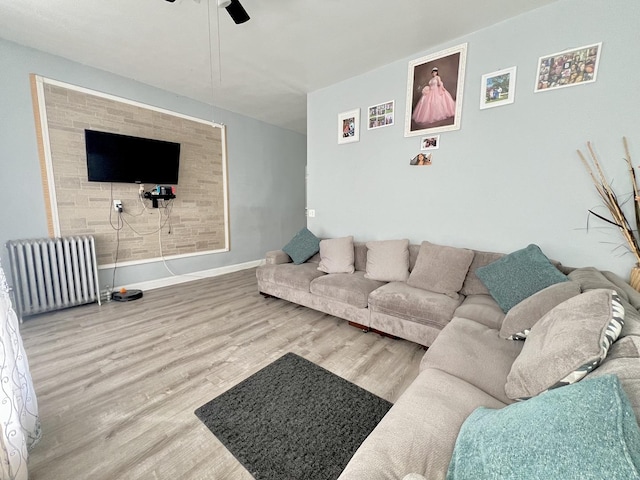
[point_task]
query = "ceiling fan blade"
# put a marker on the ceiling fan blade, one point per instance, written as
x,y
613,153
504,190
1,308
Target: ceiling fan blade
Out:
x,y
237,12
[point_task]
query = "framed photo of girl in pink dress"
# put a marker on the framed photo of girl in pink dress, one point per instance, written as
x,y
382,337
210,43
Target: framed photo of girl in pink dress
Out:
x,y
435,84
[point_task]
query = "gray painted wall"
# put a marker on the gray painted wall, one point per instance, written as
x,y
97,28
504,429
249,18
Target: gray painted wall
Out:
x,y
510,176
266,165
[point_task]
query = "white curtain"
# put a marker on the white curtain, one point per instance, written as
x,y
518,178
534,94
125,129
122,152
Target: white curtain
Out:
x,y
19,422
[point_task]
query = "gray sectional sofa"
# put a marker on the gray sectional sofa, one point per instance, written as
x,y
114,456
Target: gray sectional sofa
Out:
x,y
394,308
476,357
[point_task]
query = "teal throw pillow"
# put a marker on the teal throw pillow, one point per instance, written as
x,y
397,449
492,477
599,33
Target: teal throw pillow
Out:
x,y
519,275
585,431
302,246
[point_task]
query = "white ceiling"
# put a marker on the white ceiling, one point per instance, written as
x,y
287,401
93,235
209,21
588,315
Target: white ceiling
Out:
x,y
267,65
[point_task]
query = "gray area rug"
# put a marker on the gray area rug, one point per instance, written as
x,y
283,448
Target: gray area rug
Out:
x,y
293,420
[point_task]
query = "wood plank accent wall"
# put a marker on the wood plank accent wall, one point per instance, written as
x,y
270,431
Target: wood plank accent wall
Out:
x,y
195,222
41,153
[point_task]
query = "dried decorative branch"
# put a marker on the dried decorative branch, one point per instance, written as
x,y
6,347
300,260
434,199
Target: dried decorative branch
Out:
x,y
608,196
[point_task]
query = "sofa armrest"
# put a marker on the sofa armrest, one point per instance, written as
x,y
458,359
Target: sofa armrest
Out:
x,y
276,257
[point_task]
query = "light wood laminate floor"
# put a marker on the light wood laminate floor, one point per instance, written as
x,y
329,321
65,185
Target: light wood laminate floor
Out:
x,y
117,384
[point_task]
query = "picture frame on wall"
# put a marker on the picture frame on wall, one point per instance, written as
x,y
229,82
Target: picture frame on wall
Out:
x,y
430,143
349,126
577,66
381,115
498,88
435,85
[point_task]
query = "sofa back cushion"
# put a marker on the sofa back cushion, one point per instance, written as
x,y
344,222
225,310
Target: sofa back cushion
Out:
x,y
472,284
591,278
623,288
414,251
360,256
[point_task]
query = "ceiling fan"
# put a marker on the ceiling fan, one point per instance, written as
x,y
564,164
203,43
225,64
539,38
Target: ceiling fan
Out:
x,y
235,9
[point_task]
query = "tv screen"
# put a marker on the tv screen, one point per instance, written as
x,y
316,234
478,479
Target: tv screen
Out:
x,y
112,157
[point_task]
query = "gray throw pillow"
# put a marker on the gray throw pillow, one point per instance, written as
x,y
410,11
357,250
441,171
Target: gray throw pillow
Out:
x,y
519,320
388,260
337,255
519,275
302,246
566,344
440,269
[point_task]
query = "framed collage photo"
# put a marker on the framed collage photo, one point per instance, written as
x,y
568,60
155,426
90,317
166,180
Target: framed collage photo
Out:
x,y
568,68
381,115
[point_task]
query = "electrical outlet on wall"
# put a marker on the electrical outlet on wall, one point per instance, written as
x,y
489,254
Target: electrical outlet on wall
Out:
x,y
311,212
117,206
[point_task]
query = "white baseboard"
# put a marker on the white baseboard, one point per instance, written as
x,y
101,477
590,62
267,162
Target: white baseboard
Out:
x,y
190,277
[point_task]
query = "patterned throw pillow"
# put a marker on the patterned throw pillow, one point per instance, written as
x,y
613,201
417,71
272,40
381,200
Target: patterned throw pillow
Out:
x,y
519,275
302,246
566,344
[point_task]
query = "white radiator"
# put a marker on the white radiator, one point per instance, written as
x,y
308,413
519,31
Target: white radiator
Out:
x,y
53,273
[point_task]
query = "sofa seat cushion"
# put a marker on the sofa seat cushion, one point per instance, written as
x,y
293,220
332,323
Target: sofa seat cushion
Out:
x,y
419,432
482,309
351,288
476,354
298,277
414,304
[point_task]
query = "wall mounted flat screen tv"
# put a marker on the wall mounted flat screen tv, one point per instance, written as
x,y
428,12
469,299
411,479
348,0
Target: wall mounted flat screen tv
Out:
x,y
112,157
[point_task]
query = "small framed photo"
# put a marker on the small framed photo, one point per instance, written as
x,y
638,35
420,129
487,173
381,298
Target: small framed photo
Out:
x,y
568,68
381,115
430,143
498,88
349,126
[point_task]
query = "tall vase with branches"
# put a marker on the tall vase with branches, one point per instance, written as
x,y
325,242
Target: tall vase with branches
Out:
x,y
617,216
